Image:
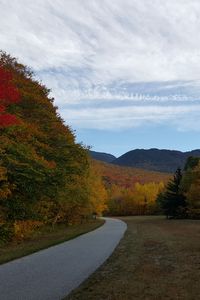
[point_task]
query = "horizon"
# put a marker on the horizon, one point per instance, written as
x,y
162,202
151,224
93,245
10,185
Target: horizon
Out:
x,y
143,149
124,75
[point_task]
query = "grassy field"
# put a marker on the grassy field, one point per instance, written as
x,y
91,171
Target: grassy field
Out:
x,y
46,237
157,259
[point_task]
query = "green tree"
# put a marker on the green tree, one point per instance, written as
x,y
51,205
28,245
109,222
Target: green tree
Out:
x,y
43,171
190,185
172,201
191,163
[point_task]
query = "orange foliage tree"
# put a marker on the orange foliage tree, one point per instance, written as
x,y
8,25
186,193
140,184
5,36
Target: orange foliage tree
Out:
x,y
9,95
43,171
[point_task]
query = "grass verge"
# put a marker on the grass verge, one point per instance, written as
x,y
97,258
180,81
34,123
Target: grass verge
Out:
x,y
156,259
44,238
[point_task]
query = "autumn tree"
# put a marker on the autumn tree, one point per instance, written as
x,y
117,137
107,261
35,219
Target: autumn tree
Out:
x,y
9,95
139,199
191,186
43,171
146,195
97,192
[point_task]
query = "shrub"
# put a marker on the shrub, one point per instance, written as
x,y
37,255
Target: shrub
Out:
x,y
6,232
24,229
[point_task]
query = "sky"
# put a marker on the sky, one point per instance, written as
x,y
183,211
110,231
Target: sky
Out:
x,y
125,74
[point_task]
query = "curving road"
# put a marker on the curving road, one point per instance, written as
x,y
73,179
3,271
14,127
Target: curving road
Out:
x,y
53,273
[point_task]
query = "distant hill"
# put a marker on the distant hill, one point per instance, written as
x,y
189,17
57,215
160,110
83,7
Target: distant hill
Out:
x,y
155,159
106,157
127,176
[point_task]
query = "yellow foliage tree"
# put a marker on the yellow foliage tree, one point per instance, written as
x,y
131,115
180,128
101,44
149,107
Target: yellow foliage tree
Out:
x,y
5,192
139,199
4,186
97,192
146,195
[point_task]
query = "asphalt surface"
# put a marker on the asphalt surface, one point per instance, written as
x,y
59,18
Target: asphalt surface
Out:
x,y
53,273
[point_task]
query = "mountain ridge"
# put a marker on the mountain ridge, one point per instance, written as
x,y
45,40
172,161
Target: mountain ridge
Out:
x,y
102,156
153,159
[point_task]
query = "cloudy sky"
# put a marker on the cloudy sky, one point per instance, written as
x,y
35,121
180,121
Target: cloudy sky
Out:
x,y
125,74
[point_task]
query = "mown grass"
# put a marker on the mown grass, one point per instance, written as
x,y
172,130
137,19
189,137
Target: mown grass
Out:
x,y
44,238
157,259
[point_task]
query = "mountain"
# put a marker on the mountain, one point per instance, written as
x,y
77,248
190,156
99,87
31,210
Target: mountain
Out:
x,y
155,159
106,157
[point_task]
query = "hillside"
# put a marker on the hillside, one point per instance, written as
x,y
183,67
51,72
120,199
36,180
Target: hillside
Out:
x,y
106,157
155,159
44,173
128,176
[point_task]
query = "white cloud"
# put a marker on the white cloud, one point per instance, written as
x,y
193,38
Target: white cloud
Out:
x,y
184,117
128,40
86,51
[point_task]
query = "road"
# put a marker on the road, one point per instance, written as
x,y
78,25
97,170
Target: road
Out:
x,y
53,273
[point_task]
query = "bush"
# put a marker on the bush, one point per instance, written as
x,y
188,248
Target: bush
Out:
x,y
6,232
24,229
194,213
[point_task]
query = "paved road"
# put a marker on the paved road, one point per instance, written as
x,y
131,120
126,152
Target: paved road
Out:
x,y
52,273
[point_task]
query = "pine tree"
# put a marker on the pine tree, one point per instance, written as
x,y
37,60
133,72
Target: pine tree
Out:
x,y
172,201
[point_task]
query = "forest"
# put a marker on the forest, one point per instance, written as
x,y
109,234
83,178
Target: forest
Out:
x,y
46,177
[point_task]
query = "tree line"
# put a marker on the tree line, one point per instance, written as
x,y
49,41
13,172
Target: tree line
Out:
x,y
178,198
45,176
181,196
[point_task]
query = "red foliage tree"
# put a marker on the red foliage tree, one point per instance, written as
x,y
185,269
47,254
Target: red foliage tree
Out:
x,y
8,95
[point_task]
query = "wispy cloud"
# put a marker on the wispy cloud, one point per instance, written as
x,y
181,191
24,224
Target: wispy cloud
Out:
x,y
111,51
184,117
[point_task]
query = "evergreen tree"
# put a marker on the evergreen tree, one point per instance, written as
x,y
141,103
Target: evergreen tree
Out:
x,y
191,163
190,185
172,201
